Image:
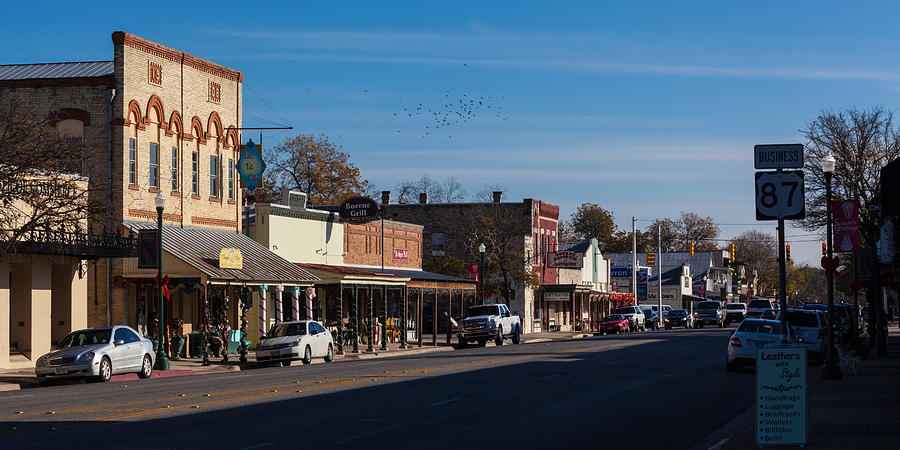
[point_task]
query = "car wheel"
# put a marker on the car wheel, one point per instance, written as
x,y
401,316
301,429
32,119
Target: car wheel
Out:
x,y
463,343
105,370
482,342
731,366
329,357
286,363
517,336
307,355
498,341
146,367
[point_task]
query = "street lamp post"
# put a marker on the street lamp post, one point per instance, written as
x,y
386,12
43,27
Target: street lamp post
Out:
x,y
831,371
162,361
481,271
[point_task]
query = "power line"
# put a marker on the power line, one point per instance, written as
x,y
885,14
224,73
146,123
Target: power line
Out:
x,y
285,122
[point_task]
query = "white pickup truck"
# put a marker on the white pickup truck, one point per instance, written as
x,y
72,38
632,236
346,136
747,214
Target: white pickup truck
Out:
x,y
488,322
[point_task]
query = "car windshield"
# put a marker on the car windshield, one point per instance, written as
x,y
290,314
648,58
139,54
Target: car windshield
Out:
x,y
759,304
86,337
287,329
677,313
734,306
802,319
760,326
625,310
708,305
613,317
483,311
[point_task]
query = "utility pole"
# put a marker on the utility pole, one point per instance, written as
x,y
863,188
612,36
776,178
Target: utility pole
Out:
x,y
634,267
659,268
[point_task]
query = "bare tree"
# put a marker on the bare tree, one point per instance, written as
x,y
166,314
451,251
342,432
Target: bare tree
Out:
x,y
41,190
678,234
453,191
759,251
447,191
486,194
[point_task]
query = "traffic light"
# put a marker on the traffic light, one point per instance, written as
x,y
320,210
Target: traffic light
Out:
x,y
651,258
824,249
731,250
692,248
787,252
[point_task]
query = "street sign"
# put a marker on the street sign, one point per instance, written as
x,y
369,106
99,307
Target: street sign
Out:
x,y
780,195
778,156
781,392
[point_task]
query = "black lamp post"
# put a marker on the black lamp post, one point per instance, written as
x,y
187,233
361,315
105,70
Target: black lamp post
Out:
x,y
481,271
831,370
162,361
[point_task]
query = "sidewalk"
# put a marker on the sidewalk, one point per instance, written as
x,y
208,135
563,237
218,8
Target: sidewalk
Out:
x,y
859,411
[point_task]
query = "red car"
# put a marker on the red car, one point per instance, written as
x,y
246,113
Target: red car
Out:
x,y
614,323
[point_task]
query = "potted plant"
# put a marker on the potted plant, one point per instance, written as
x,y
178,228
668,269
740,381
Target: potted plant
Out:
x,y
177,338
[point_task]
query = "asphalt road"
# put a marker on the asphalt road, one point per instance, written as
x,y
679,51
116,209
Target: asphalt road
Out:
x,y
663,389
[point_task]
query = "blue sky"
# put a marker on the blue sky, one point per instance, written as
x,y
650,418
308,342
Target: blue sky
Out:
x,y
647,108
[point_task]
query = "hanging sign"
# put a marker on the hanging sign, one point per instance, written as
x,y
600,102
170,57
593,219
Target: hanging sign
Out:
x,y
250,166
472,270
148,248
846,225
359,210
565,259
231,258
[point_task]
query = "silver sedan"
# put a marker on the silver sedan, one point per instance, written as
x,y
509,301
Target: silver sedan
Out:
x,y
97,354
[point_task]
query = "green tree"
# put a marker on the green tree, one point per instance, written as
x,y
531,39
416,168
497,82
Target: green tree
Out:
x,y
315,166
590,220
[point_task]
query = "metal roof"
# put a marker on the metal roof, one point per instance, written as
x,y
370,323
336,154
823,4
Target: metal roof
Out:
x,y
421,275
87,69
200,247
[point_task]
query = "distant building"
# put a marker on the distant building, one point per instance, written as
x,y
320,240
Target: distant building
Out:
x,y
710,271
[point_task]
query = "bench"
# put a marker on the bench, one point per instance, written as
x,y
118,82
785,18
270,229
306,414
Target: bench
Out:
x,y
847,361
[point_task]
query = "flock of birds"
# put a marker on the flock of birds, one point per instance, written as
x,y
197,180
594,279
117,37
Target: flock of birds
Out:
x,y
453,110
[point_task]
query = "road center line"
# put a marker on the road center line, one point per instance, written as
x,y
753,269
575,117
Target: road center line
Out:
x,y
446,401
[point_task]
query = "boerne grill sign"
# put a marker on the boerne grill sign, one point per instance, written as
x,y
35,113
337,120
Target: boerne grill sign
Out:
x,y
359,210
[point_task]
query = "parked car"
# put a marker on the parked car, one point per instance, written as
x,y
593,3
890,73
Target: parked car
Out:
x,y
635,316
756,307
651,317
489,322
735,312
97,354
291,341
709,312
750,335
810,326
679,317
614,323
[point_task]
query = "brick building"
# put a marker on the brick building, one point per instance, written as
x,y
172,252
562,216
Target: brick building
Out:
x,y
535,223
154,120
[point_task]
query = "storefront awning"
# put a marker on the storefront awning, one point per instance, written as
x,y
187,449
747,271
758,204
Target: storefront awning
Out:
x,y
200,248
329,274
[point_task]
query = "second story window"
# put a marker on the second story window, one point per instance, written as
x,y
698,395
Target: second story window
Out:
x,y
231,179
214,176
154,165
195,173
174,169
132,161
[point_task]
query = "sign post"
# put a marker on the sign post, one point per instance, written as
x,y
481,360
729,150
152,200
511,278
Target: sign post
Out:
x,y
780,195
781,396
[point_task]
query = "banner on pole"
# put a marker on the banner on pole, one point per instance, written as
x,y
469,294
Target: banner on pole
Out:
x,y
846,225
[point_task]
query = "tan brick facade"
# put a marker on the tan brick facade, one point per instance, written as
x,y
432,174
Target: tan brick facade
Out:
x,y
363,245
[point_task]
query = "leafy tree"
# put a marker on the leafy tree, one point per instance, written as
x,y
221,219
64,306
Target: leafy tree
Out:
x,y
622,242
759,250
40,190
590,220
315,166
678,234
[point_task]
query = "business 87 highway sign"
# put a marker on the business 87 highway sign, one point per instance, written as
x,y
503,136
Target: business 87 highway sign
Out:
x,y
779,195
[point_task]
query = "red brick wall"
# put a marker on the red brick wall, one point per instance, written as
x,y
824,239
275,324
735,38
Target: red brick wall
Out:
x,y
363,245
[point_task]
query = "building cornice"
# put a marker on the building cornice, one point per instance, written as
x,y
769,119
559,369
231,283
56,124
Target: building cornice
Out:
x,y
162,51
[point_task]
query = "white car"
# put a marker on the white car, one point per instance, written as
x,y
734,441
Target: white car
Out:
x,y
97,354
750,335
291,341
810,326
